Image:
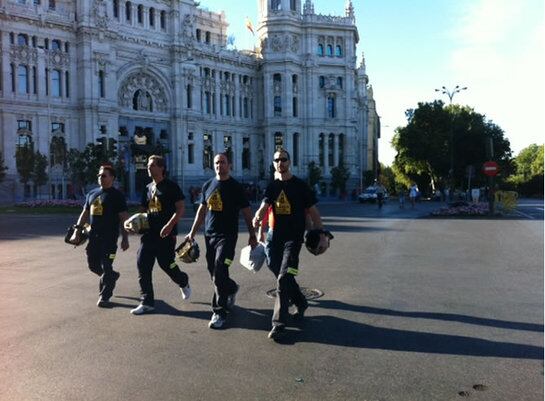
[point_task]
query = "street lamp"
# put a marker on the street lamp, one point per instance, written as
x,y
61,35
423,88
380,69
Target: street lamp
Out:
x,y
450,94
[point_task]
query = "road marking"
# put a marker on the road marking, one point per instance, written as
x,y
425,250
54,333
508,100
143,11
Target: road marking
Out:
x,y
524,215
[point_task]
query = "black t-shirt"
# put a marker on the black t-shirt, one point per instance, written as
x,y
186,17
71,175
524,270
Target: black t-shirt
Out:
x,y
223,200
160,204
289,199
104,206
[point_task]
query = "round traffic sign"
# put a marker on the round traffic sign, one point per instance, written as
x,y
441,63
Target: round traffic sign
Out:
x,y
491,168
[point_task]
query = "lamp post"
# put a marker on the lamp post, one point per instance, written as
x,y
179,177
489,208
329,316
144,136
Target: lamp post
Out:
x,y
450,94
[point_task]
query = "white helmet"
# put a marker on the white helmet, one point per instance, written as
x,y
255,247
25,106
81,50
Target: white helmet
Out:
x,y
137,223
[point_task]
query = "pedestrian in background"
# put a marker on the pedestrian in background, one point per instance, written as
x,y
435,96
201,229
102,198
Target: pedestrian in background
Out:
x,y
163,201
106,210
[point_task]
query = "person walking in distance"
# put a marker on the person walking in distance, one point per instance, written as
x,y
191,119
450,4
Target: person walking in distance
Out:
x,y
290,198
413,194
106,210
222,200
163,201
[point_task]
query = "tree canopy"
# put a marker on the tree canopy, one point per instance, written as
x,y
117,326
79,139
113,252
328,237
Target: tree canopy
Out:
x,y
433,131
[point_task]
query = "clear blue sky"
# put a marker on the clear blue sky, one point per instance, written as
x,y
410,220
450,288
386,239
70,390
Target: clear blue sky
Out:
x,y
494,47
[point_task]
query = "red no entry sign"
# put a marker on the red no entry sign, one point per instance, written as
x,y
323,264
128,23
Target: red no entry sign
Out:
x,y
491,168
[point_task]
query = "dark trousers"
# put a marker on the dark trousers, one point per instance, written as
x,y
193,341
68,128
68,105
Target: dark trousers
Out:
x,y
154,247
100,257
220,252
284,263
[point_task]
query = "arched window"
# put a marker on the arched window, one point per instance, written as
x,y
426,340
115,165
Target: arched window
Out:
x,y
163,20
341,149
340,82
56,83
321,149
115,6
320,50
198,35
276,5
128,10
329,50
142,101
22,40
338,51
207,37
140,14
55,44
22,79
277,106
152,17
277,78
330,150
293,5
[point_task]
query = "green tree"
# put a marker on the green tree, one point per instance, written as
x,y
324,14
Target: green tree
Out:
x,y
24,161
3,168
339,177
76,169
424,145
537,164
39,175
314,174
387,178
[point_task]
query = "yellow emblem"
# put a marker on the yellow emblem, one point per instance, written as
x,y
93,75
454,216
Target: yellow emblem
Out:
x,y
214,202
282,204
96,207
154,205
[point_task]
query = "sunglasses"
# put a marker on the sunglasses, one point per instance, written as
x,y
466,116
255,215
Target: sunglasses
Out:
x,y
281,159
102,175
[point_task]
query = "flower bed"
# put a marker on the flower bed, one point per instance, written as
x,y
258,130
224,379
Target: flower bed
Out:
x,y
51,203
478,209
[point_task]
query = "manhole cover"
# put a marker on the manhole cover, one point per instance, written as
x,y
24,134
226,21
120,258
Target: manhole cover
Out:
x,y
309,293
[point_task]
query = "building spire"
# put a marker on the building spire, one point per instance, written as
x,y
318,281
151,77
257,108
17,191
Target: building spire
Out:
x,y
308,8
349,9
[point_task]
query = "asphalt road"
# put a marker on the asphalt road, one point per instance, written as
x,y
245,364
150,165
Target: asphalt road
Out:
x,y
413,309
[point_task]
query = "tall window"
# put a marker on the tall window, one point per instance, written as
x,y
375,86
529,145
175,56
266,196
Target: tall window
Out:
x,y
189,97
340,82
128,11
228,147
278,140
321,81
190,149
51,4
294,107
207,102
55,44
320,50
198,35
321,150
47,81
34,80
245,153
208,153
140,14
246,112
152,16
338,51
227,105
276,4
163,20
22,40
101,84
293,5
277,106
330,149
331,106
67,83
116,9
56,83
13,77
341,149
277,78
66,47
207,37
329,50
295,150
22,79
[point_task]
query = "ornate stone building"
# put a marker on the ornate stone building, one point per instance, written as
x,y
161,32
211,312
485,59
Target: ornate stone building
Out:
x,y
159,73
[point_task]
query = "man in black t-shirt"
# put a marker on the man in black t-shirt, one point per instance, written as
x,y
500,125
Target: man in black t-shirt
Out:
x,y
221,201
106,210
291,200
163,201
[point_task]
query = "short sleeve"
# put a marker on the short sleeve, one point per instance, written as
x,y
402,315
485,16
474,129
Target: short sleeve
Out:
x,y
242,200
177,194
267,197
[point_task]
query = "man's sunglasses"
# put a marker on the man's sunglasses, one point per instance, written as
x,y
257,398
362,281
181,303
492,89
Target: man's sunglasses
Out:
x,y
281,159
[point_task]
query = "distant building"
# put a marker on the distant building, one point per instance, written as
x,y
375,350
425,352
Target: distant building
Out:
x,y
155,73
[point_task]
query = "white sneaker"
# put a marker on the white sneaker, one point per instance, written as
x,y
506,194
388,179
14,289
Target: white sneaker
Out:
x,y
141,309
216,322
186,292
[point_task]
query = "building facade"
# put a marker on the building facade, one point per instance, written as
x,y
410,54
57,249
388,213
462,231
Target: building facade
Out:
x,y
158,75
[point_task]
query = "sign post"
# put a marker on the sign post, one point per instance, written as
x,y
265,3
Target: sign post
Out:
x,y
491,169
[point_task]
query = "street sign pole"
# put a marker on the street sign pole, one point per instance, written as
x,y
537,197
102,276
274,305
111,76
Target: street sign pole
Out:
x,y
491,189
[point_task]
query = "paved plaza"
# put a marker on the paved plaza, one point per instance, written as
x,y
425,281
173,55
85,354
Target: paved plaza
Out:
x,y
413,308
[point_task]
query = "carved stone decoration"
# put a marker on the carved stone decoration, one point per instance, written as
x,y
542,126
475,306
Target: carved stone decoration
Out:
x,y
102,62
294,46
277,44
100,14
58,59
23,55
150,93
187,26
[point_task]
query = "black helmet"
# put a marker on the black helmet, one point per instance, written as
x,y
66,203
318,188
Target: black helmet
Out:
x,y
188,251
312,241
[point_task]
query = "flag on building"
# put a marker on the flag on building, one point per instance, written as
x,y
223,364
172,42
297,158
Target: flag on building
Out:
x,y
249,25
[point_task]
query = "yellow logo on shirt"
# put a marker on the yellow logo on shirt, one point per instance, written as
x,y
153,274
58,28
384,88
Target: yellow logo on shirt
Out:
x,y
282,204
96,207
154,205
214,202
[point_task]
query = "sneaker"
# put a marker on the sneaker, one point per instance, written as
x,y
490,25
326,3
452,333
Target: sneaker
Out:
x,y
216,322
300,311
186,291
103,302
141,309
232,299
277,332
